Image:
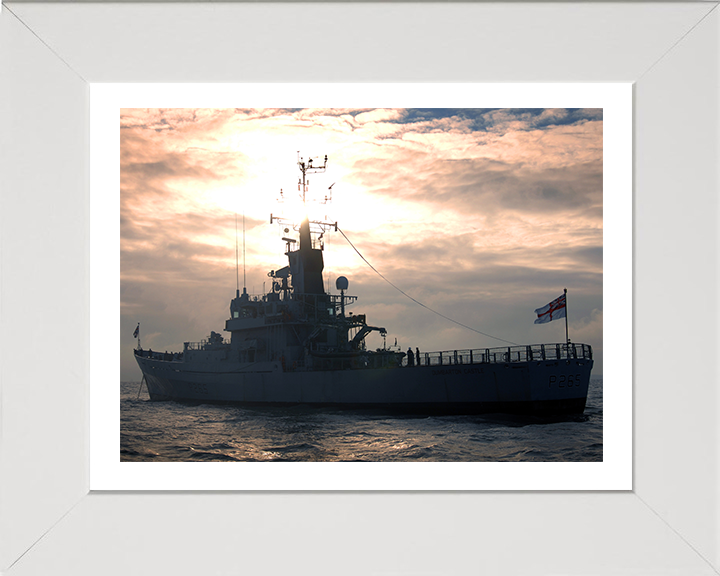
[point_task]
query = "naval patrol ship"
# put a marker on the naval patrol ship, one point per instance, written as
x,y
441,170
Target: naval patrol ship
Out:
x,y
297,345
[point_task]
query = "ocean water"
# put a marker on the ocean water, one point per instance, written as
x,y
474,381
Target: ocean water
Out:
x,y
171,431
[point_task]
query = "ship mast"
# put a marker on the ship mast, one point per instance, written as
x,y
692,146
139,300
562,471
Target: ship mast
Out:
x,y
306,261
244,277
567,335
305,168
237,266
310,166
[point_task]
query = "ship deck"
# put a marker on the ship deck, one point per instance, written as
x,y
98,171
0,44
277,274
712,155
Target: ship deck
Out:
x,y
497,355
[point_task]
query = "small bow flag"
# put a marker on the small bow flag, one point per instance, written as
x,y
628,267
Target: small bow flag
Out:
x,y
552,311
137,331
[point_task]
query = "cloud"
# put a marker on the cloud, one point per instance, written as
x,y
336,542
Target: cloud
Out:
x,y
381,115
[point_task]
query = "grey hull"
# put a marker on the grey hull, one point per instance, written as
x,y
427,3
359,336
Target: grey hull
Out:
x,y
538,387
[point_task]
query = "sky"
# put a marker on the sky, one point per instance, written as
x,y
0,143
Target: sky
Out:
x,y
482,215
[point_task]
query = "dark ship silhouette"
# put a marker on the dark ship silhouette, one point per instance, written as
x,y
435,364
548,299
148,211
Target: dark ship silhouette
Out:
x,y
297,345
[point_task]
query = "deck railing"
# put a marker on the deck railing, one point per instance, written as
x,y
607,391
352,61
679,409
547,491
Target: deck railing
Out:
x,y
207,345
504,354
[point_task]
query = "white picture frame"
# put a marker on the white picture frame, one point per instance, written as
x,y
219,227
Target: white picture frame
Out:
x,y
613,472
667,524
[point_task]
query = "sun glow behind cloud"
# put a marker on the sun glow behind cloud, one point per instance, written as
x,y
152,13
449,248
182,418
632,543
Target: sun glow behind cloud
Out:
x,y
482,215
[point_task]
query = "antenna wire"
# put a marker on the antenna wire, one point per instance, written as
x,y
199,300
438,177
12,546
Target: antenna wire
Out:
x,y
417,301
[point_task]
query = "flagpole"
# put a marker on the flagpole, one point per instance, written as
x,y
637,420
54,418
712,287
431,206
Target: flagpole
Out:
x,y
567,337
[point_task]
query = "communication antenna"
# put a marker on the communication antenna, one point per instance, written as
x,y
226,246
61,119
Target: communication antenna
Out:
x,y
237,266
244,279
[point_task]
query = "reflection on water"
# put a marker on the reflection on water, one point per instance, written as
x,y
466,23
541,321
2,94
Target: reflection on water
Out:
x,y
170,431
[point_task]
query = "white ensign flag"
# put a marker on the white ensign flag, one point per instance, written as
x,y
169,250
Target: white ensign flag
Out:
x,y
552,311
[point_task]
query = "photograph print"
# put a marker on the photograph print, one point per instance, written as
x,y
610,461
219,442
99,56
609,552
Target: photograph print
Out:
x,y
376,285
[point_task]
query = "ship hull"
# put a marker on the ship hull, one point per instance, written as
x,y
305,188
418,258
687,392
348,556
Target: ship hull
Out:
x,y
531,387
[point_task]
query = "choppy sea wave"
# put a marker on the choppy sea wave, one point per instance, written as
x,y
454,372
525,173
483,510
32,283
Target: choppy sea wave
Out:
x,y
171,431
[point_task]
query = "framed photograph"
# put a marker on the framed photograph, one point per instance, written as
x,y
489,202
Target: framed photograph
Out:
x,y
62,511
588,130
